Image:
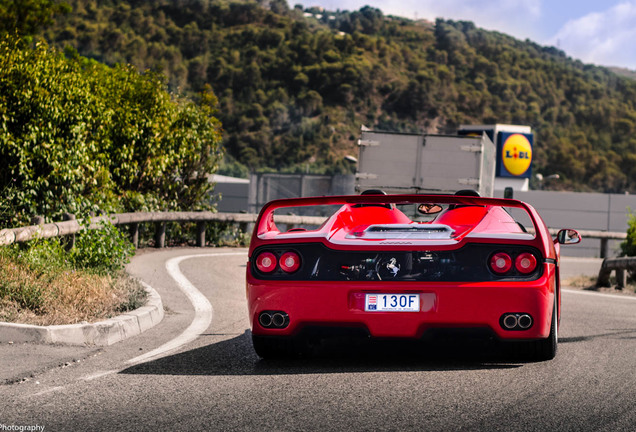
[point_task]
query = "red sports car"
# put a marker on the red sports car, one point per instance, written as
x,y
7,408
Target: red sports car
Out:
x,y
403,267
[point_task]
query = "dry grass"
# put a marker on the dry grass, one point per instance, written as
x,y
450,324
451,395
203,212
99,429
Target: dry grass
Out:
x,y
49,297
588,283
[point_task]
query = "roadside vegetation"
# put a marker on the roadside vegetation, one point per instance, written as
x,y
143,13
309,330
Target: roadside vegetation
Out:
x,y
628,247
588,283
43,283
78,136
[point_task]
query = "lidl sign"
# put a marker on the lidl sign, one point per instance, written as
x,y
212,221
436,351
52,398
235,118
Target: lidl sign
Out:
x,y
514,154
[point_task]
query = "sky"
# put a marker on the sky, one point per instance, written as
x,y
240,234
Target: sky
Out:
x,y
602,32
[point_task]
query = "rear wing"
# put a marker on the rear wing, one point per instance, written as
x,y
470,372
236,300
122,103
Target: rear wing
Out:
x,y
265,221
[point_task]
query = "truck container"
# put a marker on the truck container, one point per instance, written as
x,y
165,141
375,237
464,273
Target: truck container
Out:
x,y
415,163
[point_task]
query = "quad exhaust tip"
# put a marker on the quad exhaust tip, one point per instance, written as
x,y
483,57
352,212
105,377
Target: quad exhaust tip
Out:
x,y
516,321
273,319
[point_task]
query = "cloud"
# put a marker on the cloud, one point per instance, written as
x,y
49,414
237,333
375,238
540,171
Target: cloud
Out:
x,y
604,38
481,11
515,17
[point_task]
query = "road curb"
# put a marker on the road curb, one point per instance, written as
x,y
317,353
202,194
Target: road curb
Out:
x,y
101,333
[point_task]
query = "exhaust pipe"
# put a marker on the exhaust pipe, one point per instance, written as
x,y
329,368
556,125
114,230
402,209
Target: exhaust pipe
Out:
x,y
516,321
273,319
510,321
265,319
525,321
279,319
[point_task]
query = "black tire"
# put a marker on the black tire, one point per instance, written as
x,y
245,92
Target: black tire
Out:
x,y
546,349
268,347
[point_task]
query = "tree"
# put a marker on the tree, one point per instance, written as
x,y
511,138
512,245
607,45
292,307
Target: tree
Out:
x,y
27,17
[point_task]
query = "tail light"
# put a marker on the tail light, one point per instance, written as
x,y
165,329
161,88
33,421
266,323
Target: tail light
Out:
x,y
266,262
525,263
289,262
500,262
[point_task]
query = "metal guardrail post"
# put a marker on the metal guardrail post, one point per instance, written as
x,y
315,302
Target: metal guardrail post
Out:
x,y
604,273
621,278
604,247
160,235
134,234
201,234
37,220
69,242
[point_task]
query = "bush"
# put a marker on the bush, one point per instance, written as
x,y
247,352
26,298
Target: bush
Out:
x,y
628,247
21,285
28,270
76,134
103,251
42,283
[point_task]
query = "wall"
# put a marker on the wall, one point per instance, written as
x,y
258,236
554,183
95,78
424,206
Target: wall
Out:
x,y
230,193
583,211
267,187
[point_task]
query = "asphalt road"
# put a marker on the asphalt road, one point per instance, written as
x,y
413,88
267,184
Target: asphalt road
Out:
x,y
214,381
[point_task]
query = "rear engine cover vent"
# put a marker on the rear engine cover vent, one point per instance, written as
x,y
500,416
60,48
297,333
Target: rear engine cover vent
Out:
x,y
405,231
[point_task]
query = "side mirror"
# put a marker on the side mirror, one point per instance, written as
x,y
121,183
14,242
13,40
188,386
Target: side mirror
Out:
x,y
429,209
568,236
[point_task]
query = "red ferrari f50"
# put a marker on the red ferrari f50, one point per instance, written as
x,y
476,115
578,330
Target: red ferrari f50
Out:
x,y
404,266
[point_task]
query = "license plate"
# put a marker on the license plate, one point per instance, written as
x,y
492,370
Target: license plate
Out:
x,y
392,303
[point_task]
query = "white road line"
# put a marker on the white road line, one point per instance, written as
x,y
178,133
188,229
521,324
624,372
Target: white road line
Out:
x,y
202,309
47,391
202,318
594,293
99,374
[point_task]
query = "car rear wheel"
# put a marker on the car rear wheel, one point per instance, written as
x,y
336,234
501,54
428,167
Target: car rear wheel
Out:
x,y
546,349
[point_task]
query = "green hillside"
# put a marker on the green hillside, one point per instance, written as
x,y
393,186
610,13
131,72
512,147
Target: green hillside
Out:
x,y
294,88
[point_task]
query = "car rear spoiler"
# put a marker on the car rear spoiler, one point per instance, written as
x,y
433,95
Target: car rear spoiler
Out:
x,y
265,219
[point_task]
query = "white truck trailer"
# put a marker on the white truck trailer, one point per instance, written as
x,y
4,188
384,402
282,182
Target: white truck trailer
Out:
x,y
413,163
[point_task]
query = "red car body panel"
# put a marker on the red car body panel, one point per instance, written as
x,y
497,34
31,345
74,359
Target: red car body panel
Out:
x,y
467,305
481,222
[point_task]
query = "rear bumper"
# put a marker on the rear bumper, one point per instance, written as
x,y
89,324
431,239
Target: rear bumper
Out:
x,y
442,305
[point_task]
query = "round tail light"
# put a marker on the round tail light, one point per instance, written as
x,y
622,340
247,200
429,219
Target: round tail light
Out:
x,y
526,263
289,262
500,262
266,262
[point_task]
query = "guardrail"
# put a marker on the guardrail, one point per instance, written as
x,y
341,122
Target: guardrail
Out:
x,y
620,266
71,227
603,236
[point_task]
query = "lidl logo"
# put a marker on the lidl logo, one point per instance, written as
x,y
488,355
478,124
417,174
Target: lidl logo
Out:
x,y
516,154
